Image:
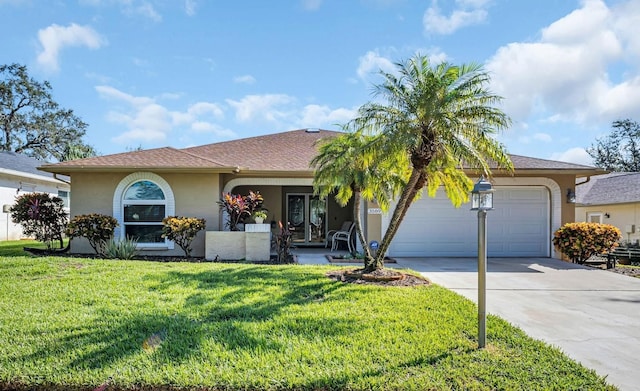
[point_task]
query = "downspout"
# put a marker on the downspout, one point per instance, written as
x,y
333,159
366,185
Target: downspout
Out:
x,y
55,176
582,183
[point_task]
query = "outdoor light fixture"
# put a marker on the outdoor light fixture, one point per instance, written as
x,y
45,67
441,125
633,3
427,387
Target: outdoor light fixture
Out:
x,y
482,201
571,196
482,195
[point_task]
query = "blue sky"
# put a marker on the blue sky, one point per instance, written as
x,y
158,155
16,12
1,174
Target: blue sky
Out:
x,y
180,73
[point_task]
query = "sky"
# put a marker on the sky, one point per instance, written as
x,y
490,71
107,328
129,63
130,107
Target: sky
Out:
x,y
180,73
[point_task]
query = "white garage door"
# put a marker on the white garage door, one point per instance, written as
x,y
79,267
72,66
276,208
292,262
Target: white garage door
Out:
x,y
517,227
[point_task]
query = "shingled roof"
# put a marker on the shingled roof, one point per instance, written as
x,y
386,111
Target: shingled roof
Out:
x,y
22,165
613,188
286,152
166,159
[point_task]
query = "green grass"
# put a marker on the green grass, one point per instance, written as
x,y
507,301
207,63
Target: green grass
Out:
x,y
14,248
73,323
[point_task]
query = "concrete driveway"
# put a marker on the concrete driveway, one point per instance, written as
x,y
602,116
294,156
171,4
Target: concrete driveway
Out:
x,y
591,315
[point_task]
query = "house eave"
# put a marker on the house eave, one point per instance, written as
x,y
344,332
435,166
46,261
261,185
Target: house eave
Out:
x,y
20,174
274,173
159,169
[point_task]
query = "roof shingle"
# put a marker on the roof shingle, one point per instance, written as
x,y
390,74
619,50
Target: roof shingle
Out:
x,y
290,151
613,188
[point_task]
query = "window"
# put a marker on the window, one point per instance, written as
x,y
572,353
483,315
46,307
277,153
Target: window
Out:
x,y
64,195
594,217
140,202
144,208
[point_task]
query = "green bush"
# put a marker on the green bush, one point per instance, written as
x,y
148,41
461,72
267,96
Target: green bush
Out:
x,y
182,230
580,241
119,249
41,215
96,227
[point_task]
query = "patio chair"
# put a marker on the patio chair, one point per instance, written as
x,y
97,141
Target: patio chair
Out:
x,y
344,228
344,236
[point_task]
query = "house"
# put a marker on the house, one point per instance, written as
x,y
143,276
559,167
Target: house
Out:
x,y
611,199
139,188
19,174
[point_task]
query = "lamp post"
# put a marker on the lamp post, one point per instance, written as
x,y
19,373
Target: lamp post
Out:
x,y
482,201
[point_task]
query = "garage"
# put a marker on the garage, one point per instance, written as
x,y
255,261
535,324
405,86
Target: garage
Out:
x,y
517,227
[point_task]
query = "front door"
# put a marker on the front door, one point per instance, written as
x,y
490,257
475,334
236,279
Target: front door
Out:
x,y
306,215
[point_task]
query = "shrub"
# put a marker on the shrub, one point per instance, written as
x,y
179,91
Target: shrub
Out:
x,y
182,230
96,227
41,215
579,241
119,249
283,244
239,207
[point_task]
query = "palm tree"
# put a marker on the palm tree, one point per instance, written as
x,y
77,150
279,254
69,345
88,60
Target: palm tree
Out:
x,y
442,118
350,165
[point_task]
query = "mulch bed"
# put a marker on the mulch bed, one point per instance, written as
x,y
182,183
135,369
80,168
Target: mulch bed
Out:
x,y
350,259
627,271
384,277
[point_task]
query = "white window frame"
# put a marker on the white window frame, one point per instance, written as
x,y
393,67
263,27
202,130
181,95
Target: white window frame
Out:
x,y
599,215
118,205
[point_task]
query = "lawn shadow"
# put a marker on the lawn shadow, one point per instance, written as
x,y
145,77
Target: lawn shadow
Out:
x,y
224,306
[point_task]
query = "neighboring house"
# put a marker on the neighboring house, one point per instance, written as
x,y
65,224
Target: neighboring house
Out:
x,y
611,199
19,174
139,188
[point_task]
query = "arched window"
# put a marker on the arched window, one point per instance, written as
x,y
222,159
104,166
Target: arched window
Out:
x,y
144,208
141,201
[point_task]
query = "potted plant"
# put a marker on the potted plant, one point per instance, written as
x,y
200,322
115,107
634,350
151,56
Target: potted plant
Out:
x,y
239,207
259,216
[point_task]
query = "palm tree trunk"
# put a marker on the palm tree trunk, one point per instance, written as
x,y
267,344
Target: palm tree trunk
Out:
x,y
411,189
368,258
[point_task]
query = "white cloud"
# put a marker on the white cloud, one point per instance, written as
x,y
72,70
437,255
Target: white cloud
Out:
x,y
371,63
542,137
564,75
208,127
148,121
244,79
574,155
268,107
316,116
311,5
466,13
147,10
190,7
55,38
133,7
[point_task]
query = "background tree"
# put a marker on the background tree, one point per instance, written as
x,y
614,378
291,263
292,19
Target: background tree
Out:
x,y
31,122
441,118
78,151
619,151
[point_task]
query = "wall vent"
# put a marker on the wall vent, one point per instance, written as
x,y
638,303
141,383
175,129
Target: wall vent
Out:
x,y
313,130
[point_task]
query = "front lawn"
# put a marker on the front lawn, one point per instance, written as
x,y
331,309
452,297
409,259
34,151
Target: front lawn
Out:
x,y
73,323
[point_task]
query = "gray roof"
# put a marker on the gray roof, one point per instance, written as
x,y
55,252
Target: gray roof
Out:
x,y
613,188
526,162
22,163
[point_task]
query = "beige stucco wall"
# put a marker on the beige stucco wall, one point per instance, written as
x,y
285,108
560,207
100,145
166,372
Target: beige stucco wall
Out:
x,y
195,194
620,215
